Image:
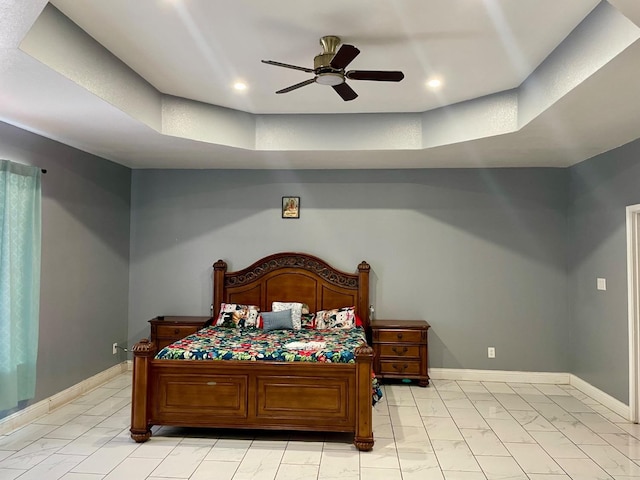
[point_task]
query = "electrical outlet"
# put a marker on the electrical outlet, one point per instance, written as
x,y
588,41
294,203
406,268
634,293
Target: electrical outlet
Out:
x,y
601,284
491,352
114,349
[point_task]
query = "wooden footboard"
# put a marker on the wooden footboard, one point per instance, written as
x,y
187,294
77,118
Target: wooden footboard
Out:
x,y
255,395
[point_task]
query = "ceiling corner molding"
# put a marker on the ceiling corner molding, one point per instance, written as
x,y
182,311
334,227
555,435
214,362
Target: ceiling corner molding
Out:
x,y
344,132
202,122
599,38
629,8
16,18
64,47
483,117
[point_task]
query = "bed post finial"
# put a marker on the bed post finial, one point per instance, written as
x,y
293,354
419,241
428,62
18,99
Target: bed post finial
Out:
x,y
363,294
219,269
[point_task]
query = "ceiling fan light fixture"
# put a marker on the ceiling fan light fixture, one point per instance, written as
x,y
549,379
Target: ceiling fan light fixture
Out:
x,y
330,79
329,69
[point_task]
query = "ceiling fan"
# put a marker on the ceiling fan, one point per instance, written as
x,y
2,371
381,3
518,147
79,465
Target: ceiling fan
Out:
x,y
329,69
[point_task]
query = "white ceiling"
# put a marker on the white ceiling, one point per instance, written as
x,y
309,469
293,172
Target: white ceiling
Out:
x,y
149,83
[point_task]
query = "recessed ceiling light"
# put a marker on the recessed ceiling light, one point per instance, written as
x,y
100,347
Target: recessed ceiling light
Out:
x,y
434,83
240,86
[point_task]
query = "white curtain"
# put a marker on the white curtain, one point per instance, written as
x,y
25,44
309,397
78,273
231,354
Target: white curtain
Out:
x,y
20,234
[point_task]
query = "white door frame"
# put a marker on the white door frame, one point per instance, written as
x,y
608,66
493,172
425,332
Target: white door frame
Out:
x,y
633,296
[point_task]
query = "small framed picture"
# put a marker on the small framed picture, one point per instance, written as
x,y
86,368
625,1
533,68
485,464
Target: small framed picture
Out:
x,y
290,207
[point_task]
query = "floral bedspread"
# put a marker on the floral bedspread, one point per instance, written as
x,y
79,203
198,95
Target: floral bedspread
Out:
x,y
222,343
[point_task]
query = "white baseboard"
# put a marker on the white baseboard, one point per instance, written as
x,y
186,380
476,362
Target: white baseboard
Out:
x,y
605,399
498,376
30,413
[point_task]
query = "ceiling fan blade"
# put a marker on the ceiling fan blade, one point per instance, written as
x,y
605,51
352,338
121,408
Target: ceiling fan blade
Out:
x,y
286,65
344,56
375,75
345,91
297,85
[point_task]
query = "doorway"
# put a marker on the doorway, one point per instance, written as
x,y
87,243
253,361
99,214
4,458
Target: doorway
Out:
x,y
633,288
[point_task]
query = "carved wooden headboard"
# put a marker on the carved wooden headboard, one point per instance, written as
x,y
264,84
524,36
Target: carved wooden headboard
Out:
x,y
293,277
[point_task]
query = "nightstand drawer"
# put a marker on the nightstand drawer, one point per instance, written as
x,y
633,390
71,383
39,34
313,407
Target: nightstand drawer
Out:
x,y
398,336
175,331
166,330
399,367
393,350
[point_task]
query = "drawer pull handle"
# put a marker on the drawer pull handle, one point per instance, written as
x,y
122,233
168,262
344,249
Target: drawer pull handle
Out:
x,y
212,383
395,350
400,368
399,336
176,330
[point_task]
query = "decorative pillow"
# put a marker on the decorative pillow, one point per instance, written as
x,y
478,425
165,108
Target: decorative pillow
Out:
x,y
281,320
296,311
337,318
308,320
238,316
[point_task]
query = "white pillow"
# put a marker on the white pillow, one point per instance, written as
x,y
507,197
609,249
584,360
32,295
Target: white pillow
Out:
x,y
296,312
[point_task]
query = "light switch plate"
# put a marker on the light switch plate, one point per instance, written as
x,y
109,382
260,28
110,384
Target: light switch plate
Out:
x,y
602,283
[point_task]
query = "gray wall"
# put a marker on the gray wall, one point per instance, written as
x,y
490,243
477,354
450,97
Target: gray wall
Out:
x,y
85,258
483,255
480,254
600,190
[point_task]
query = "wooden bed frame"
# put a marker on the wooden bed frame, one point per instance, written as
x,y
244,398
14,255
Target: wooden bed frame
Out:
x,y
264,395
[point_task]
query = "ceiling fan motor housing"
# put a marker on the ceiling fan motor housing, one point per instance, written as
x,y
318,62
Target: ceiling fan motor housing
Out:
x,y
323,60
325,73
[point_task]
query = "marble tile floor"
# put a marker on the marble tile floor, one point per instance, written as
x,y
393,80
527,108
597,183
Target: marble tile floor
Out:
x,y
452,430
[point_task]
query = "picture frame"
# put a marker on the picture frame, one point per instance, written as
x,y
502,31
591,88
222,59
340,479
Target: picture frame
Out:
x,y
290,207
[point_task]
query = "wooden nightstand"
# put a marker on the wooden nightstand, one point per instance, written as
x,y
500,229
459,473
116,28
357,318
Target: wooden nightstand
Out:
x,y
166,330
401,349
